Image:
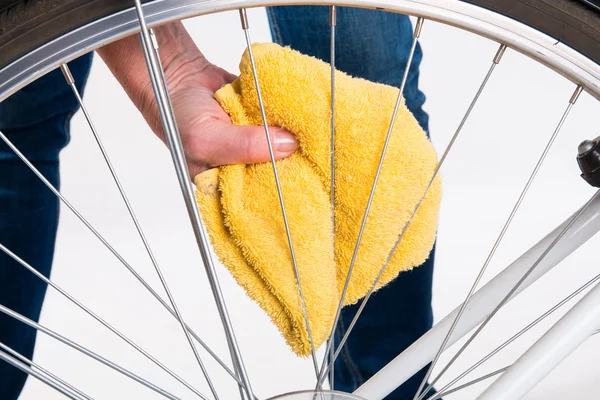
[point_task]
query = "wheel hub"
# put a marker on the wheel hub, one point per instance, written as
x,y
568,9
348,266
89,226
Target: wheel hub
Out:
x,y
317,395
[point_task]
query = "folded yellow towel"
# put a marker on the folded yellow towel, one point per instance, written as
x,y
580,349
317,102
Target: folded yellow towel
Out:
x,y
240,208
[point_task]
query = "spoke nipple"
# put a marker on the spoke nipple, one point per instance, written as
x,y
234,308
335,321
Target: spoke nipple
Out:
x,y
576,94
244,19
332,16
499,54
153,39
419,27
67,74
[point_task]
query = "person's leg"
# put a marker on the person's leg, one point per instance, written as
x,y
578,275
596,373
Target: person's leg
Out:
x,y
36,119
373,45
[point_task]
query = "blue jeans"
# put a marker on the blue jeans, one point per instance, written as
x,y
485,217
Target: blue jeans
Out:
x,y
371,45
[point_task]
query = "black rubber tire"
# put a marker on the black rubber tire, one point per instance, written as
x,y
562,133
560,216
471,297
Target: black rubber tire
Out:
x,y
27,24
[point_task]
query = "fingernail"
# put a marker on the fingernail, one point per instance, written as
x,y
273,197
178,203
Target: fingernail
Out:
x,y
285,142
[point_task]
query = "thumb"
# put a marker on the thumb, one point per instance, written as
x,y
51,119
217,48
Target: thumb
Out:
x,y
233,144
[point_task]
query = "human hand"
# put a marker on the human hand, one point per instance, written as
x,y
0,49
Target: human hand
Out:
x,y
208,136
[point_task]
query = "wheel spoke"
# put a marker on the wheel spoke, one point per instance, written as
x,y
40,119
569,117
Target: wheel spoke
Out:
x,y
241,388
92,314
91,354
536,169
568,333
470,383
495,62
165,108
40,376
108,246
416,34
518,334
44,371
71,81
569,64
332,24
245,27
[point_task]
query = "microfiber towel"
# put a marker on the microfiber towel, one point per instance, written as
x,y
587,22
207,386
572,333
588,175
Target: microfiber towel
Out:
x,y
241,210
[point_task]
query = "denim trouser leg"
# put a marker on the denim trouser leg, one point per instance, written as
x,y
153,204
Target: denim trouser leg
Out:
x,y
36,120
372,45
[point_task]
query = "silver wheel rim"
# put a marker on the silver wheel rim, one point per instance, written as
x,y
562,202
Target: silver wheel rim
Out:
x,y
518,36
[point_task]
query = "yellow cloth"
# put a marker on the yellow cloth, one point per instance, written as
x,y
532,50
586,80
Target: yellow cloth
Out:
x,y
241,210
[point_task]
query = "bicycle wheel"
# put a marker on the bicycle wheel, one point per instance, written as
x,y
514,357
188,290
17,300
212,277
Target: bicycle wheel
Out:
x,y
37,37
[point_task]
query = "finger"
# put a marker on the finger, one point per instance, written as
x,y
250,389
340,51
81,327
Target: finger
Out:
x,y
224,143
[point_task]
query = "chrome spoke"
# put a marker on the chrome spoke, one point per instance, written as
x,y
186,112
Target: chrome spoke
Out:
x,y
93,315
91,354
529,271
416,34
237,371
417,356
536,169
561,340
518,334
574,68
496,61
332,24
109,247
470,383
245,27
49,374
71,81
39,375
165,108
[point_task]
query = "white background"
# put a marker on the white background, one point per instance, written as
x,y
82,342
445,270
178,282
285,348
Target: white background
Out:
x,y
483,178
